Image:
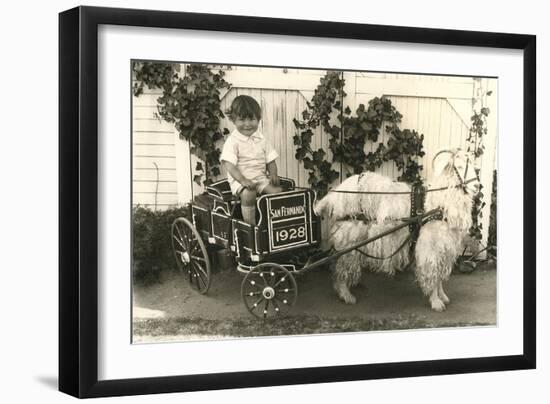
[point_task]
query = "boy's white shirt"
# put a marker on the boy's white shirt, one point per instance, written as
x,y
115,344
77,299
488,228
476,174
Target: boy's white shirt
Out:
x,y
249,154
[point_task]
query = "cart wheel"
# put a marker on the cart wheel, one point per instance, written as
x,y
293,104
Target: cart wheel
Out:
x,y
191,254
269,290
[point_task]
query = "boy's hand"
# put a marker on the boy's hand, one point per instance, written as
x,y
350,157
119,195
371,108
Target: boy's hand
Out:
x,y
248,184
274,178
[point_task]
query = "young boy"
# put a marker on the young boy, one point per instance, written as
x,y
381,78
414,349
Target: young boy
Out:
x,y
248,158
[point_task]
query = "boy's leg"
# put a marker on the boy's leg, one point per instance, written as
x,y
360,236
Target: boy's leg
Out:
x,y
271,189
248,206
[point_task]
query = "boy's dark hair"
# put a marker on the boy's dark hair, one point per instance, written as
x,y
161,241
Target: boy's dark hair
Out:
x,y
244,106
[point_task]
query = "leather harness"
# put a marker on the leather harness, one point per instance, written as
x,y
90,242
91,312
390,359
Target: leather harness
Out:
x,y
418,216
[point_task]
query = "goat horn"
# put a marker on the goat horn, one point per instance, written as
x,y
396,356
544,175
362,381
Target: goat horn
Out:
x,y
441,152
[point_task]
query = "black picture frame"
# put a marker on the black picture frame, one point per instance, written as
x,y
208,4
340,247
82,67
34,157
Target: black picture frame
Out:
x,y
78,200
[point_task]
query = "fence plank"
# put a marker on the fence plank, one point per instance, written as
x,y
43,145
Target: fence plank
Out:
x,y
148,162
152,126
153,150
150,174
146,100
159,138
152,187
142,198
293,111
144,112
416,88
276,80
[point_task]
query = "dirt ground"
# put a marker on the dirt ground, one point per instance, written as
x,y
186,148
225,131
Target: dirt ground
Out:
x,y
379,298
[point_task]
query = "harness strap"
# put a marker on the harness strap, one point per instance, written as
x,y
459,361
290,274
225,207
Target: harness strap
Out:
x,y
418,199
389,256
461,185
436,215
417,220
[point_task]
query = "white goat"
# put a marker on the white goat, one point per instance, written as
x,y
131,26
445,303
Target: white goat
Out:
x,y
439,242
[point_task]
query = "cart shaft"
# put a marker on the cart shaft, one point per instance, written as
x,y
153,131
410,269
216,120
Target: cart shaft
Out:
x,y
338,254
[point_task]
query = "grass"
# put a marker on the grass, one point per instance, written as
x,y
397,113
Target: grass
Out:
x,y
296,325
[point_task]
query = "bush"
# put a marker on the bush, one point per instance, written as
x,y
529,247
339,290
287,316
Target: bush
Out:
x,y
152,243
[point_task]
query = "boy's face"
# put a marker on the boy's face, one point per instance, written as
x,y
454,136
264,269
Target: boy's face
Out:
x,y
246,126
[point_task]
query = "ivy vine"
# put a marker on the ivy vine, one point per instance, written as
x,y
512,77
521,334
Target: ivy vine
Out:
x,y
327,96
348,138
477,148
192,103
154,75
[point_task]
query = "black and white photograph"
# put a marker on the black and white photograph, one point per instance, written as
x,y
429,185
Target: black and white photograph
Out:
x,y
273,201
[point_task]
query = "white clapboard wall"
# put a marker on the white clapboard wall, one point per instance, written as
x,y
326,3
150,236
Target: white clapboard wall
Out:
x,y
439,107
153,155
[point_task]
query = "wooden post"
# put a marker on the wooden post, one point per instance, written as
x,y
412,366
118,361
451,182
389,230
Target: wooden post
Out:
x,y
489,157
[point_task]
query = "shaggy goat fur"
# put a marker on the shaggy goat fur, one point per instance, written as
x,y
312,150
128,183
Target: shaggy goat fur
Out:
x,y
377,207
439,242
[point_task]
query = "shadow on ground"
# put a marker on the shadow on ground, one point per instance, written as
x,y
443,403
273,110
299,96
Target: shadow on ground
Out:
x,y
171,310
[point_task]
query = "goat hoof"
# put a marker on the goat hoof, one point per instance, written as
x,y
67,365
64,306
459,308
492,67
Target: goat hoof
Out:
x,y
438,305
344,293
347,298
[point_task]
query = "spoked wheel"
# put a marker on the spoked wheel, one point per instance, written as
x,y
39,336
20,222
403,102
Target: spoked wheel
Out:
x,y
191,254
269,290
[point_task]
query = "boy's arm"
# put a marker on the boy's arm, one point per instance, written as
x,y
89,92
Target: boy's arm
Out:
x,y
271,155
235,173
272,170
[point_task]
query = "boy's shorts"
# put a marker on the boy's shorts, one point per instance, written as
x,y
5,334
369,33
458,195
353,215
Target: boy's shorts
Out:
x,y
262,182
